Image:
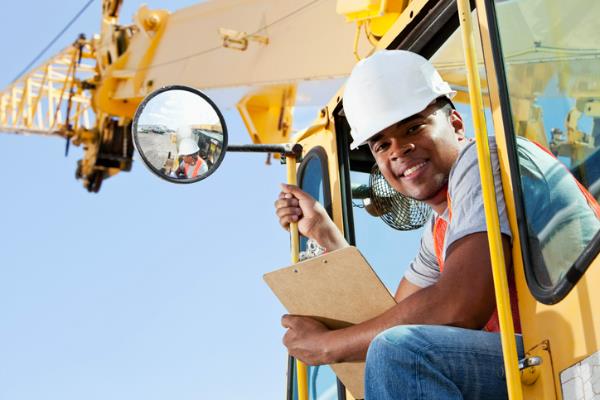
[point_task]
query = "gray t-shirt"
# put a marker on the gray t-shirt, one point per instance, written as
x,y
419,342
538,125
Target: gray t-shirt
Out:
x,y
464,189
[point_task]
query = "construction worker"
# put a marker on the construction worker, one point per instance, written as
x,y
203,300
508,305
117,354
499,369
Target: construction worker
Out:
x,y
191,165
441,340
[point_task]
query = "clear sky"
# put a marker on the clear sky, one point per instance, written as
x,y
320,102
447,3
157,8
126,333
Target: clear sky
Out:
x,y
146,290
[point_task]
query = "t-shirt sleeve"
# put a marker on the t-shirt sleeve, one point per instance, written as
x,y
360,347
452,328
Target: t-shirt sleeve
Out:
x,y
424,271
466,196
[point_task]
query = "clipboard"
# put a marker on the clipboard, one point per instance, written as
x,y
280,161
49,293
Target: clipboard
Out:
x,y
339,289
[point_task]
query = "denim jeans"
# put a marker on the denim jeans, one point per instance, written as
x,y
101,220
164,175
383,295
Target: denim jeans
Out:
x,y
436,362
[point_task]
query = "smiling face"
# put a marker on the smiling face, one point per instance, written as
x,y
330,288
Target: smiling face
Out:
x,y
415,155
190,159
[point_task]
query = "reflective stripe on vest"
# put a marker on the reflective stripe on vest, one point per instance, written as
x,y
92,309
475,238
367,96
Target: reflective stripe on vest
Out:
x,y
199,163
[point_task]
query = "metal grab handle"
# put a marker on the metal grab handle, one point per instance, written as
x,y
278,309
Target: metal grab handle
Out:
x,y
529,369
301,368
529,362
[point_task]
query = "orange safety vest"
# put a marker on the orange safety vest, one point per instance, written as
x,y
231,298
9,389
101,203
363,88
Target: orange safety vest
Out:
x,y
199,163
439,239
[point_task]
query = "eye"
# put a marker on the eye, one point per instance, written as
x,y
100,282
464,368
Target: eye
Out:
x,y
381,146
414,129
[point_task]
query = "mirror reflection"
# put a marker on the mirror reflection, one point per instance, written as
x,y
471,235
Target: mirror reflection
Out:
x,y
180,134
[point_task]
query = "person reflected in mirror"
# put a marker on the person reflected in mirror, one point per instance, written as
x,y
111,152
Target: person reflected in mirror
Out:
x,y
191,165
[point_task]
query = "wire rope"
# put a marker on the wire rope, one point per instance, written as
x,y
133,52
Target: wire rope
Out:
x,y
63,30
211,49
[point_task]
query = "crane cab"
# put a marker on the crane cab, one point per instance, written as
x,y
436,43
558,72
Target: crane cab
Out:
x,y
539,73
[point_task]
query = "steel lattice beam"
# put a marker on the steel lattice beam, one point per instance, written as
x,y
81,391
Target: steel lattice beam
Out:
x,y
49,99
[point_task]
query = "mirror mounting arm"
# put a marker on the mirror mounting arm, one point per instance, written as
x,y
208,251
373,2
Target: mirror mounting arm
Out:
x,y
285,149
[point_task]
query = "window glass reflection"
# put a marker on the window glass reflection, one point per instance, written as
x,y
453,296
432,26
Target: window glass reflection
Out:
x,y
322,382
551,55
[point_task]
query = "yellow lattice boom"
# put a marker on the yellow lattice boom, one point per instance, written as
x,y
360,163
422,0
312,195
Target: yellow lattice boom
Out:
x,y
89,92
51,99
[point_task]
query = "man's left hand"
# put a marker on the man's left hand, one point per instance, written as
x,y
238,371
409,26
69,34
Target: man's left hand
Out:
x,y
307,339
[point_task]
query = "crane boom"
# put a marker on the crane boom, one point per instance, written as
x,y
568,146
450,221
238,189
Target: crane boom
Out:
x,y
89,92
47,100
283,41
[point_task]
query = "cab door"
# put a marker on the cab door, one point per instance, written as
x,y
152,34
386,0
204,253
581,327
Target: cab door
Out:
x,y
543,67
318,175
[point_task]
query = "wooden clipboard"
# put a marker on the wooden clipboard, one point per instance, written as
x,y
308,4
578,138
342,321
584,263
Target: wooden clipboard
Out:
x,y
339,289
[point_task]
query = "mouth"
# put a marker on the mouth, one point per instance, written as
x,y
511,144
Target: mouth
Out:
x,y
414,170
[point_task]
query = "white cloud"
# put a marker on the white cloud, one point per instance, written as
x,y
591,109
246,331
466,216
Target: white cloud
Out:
x,y
177,108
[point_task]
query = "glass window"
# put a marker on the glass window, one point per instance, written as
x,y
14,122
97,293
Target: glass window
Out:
x,y
549,51
314,179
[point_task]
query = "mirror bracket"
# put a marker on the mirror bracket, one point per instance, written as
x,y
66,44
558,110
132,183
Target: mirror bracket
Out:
x,y
285,149
182,137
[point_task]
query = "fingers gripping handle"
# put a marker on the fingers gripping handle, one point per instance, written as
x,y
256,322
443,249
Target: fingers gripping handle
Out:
x,y
295,250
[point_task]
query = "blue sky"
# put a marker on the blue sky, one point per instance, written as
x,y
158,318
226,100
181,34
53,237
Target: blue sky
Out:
x,y
105,296
146,290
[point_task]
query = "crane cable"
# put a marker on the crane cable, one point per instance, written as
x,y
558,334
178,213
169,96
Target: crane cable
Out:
x,y
310,3
64,29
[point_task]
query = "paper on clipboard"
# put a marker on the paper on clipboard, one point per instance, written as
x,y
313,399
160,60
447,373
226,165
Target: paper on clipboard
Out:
x,y
339,289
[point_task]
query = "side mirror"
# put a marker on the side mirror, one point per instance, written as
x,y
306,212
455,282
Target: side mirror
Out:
x,y
180,134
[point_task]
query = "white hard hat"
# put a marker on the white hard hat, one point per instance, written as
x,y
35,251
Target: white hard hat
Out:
x,y
188,147
388,87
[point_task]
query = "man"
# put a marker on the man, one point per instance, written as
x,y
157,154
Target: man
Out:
x,y
432,344
191,165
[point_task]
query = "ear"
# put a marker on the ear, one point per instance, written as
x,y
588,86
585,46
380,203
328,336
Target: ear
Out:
x,y
458,124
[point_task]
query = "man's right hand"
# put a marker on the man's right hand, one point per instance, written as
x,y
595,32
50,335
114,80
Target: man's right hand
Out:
x,y
295,205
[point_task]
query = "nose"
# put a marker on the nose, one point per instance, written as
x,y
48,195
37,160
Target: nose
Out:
x,y
401,149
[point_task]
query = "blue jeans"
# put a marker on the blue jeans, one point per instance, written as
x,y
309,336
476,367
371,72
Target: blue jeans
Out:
x,y
436,362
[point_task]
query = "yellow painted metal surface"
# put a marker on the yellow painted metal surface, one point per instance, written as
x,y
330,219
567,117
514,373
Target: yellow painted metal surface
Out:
x,y
301,369
507,333
306,40
151,25
302,379
267,113
571,328
542,386
321,133
379,15
291,179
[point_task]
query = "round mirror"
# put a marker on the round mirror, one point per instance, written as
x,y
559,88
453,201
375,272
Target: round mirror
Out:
x,y
180,134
